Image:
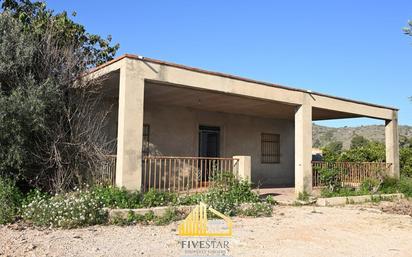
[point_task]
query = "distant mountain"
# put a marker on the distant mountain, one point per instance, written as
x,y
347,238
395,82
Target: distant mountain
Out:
x,y
323,135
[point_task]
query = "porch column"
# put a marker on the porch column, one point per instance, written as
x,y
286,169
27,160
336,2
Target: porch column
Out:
x,y
392,145
244,167
130,127
303,147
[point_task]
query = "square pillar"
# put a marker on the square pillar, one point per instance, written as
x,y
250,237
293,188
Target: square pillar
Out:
x,y
303,147
392,145
130,127
244,167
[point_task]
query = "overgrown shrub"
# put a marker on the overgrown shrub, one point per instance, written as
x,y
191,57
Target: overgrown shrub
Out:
x,y
227,193
49,136
371,152
75,209
370,185
373,186
257,210
403,185
10,200
86,207
406,161
154,198
114,197
330,178
170,215
189,199
303,196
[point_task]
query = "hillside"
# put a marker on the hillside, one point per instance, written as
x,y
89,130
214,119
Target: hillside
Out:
x,y
323,135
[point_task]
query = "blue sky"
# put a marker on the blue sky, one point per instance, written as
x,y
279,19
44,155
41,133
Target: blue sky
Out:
x,y
353,49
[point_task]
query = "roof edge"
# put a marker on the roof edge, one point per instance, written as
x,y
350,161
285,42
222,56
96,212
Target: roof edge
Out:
x,y
225,75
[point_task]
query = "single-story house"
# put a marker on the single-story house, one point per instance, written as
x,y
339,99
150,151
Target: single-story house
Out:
x,y
177,126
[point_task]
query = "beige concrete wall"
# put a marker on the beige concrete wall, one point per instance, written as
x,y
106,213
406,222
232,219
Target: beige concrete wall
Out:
x,y
174,132
240,134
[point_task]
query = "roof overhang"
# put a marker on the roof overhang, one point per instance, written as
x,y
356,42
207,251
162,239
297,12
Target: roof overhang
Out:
x,y
261,97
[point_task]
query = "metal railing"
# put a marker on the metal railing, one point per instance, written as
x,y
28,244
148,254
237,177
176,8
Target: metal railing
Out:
x,y
350,173
106,175
177,174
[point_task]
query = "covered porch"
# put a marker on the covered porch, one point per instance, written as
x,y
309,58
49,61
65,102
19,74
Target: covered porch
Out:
x,y
177,127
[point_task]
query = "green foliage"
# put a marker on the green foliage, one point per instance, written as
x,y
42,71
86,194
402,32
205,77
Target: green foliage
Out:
x,y
154,198
330,178
403,185
404,141
41,54
10,200
408,29
269,199
75,209
342,191
372,152
114,197
228,193
38,20
369,151
405,160
331,151
86,207
358,141
170,216
190,199
303,196
258,209
370,185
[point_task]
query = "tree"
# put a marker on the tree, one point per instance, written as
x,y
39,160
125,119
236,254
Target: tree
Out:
x,y
332,151
372,152
37,19
49,125
358,141
335,146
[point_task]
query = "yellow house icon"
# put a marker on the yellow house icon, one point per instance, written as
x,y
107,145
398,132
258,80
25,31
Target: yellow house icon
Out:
x,y
196,222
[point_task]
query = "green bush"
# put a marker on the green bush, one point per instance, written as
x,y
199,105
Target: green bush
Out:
x,y
405,186
170,215
10,200
86,207
303,196
406,161
342,191
75,209
372,152
227,193
330,178
190,199
370,185
257,210
114,197
154,198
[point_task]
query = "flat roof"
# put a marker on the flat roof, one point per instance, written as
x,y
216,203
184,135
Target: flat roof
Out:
x,y
141,58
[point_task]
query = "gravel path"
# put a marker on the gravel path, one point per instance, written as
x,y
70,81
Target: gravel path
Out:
x,y
292,231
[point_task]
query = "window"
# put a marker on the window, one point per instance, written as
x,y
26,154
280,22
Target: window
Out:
x,y
146,141
270,144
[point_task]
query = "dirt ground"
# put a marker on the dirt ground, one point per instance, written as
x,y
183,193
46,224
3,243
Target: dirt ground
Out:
x,y
354,230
